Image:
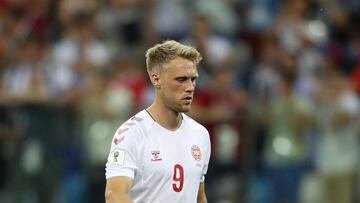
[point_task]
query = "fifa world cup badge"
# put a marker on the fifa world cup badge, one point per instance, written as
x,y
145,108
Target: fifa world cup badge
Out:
x,y
117,157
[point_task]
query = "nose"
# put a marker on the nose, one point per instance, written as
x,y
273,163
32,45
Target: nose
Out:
x,y
190,86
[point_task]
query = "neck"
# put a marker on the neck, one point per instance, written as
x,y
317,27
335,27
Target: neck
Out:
x,y
165,116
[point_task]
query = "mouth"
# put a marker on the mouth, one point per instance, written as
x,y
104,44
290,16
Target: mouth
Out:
x,y
187,99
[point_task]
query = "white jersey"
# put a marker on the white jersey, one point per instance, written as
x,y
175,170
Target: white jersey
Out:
x,y
165,166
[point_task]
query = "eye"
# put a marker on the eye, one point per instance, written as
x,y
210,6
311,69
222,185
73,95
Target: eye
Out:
x,y
193,79
181,79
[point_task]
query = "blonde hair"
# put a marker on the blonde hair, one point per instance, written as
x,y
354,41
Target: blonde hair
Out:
x,y
163,53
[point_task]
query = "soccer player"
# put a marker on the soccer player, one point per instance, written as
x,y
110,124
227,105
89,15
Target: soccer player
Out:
x,y
161,155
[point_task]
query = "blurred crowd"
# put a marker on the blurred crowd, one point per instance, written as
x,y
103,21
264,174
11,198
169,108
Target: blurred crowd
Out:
x,y
279,92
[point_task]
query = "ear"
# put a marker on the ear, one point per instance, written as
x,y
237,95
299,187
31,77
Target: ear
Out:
x,y
155,80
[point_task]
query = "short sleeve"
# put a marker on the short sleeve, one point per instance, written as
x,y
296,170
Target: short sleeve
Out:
x,y
207,157
122,159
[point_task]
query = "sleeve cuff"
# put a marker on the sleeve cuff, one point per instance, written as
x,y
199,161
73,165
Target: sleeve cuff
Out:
x,y
128,172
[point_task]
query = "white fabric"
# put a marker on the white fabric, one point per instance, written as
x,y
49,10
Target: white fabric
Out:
x,y
148,153
67,52
171,17
17,80
218,49
339,146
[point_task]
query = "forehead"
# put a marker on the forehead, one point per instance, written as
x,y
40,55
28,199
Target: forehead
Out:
x,y
181,66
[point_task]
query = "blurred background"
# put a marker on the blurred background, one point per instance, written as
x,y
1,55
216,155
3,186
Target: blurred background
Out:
x,y
279,91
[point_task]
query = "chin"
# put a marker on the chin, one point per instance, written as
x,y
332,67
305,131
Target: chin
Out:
x,y
186,109
183,109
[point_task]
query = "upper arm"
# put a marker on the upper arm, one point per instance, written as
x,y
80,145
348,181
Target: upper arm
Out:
x,y
201,198
207,154
122,159
122,163
117,189
201,194
120,184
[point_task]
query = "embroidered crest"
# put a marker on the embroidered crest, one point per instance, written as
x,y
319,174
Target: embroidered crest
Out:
x,y
196,152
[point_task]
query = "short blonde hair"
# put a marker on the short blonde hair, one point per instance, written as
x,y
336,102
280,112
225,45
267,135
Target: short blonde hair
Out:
x,y
163,53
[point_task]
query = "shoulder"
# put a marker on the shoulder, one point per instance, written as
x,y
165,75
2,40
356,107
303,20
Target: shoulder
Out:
x,y
199,131
133,129
194,125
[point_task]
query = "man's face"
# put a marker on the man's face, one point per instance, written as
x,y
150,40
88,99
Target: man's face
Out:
x,y
177,84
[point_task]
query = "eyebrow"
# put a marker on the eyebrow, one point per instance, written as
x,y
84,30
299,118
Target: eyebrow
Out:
x,y
186,77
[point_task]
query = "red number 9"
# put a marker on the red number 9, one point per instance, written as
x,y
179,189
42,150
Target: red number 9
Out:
x,y
178,178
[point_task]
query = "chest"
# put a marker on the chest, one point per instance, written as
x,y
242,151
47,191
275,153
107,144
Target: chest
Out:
x,y
172,158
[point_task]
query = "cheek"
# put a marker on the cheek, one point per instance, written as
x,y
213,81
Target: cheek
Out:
x,y
173,87
172,92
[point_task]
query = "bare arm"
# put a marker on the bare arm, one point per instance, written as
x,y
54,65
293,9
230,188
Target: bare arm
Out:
x,y
201,195
117,189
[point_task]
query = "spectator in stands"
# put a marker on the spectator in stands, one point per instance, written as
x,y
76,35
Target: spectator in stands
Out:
x,y
337,120
287,117
76,55
219,107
